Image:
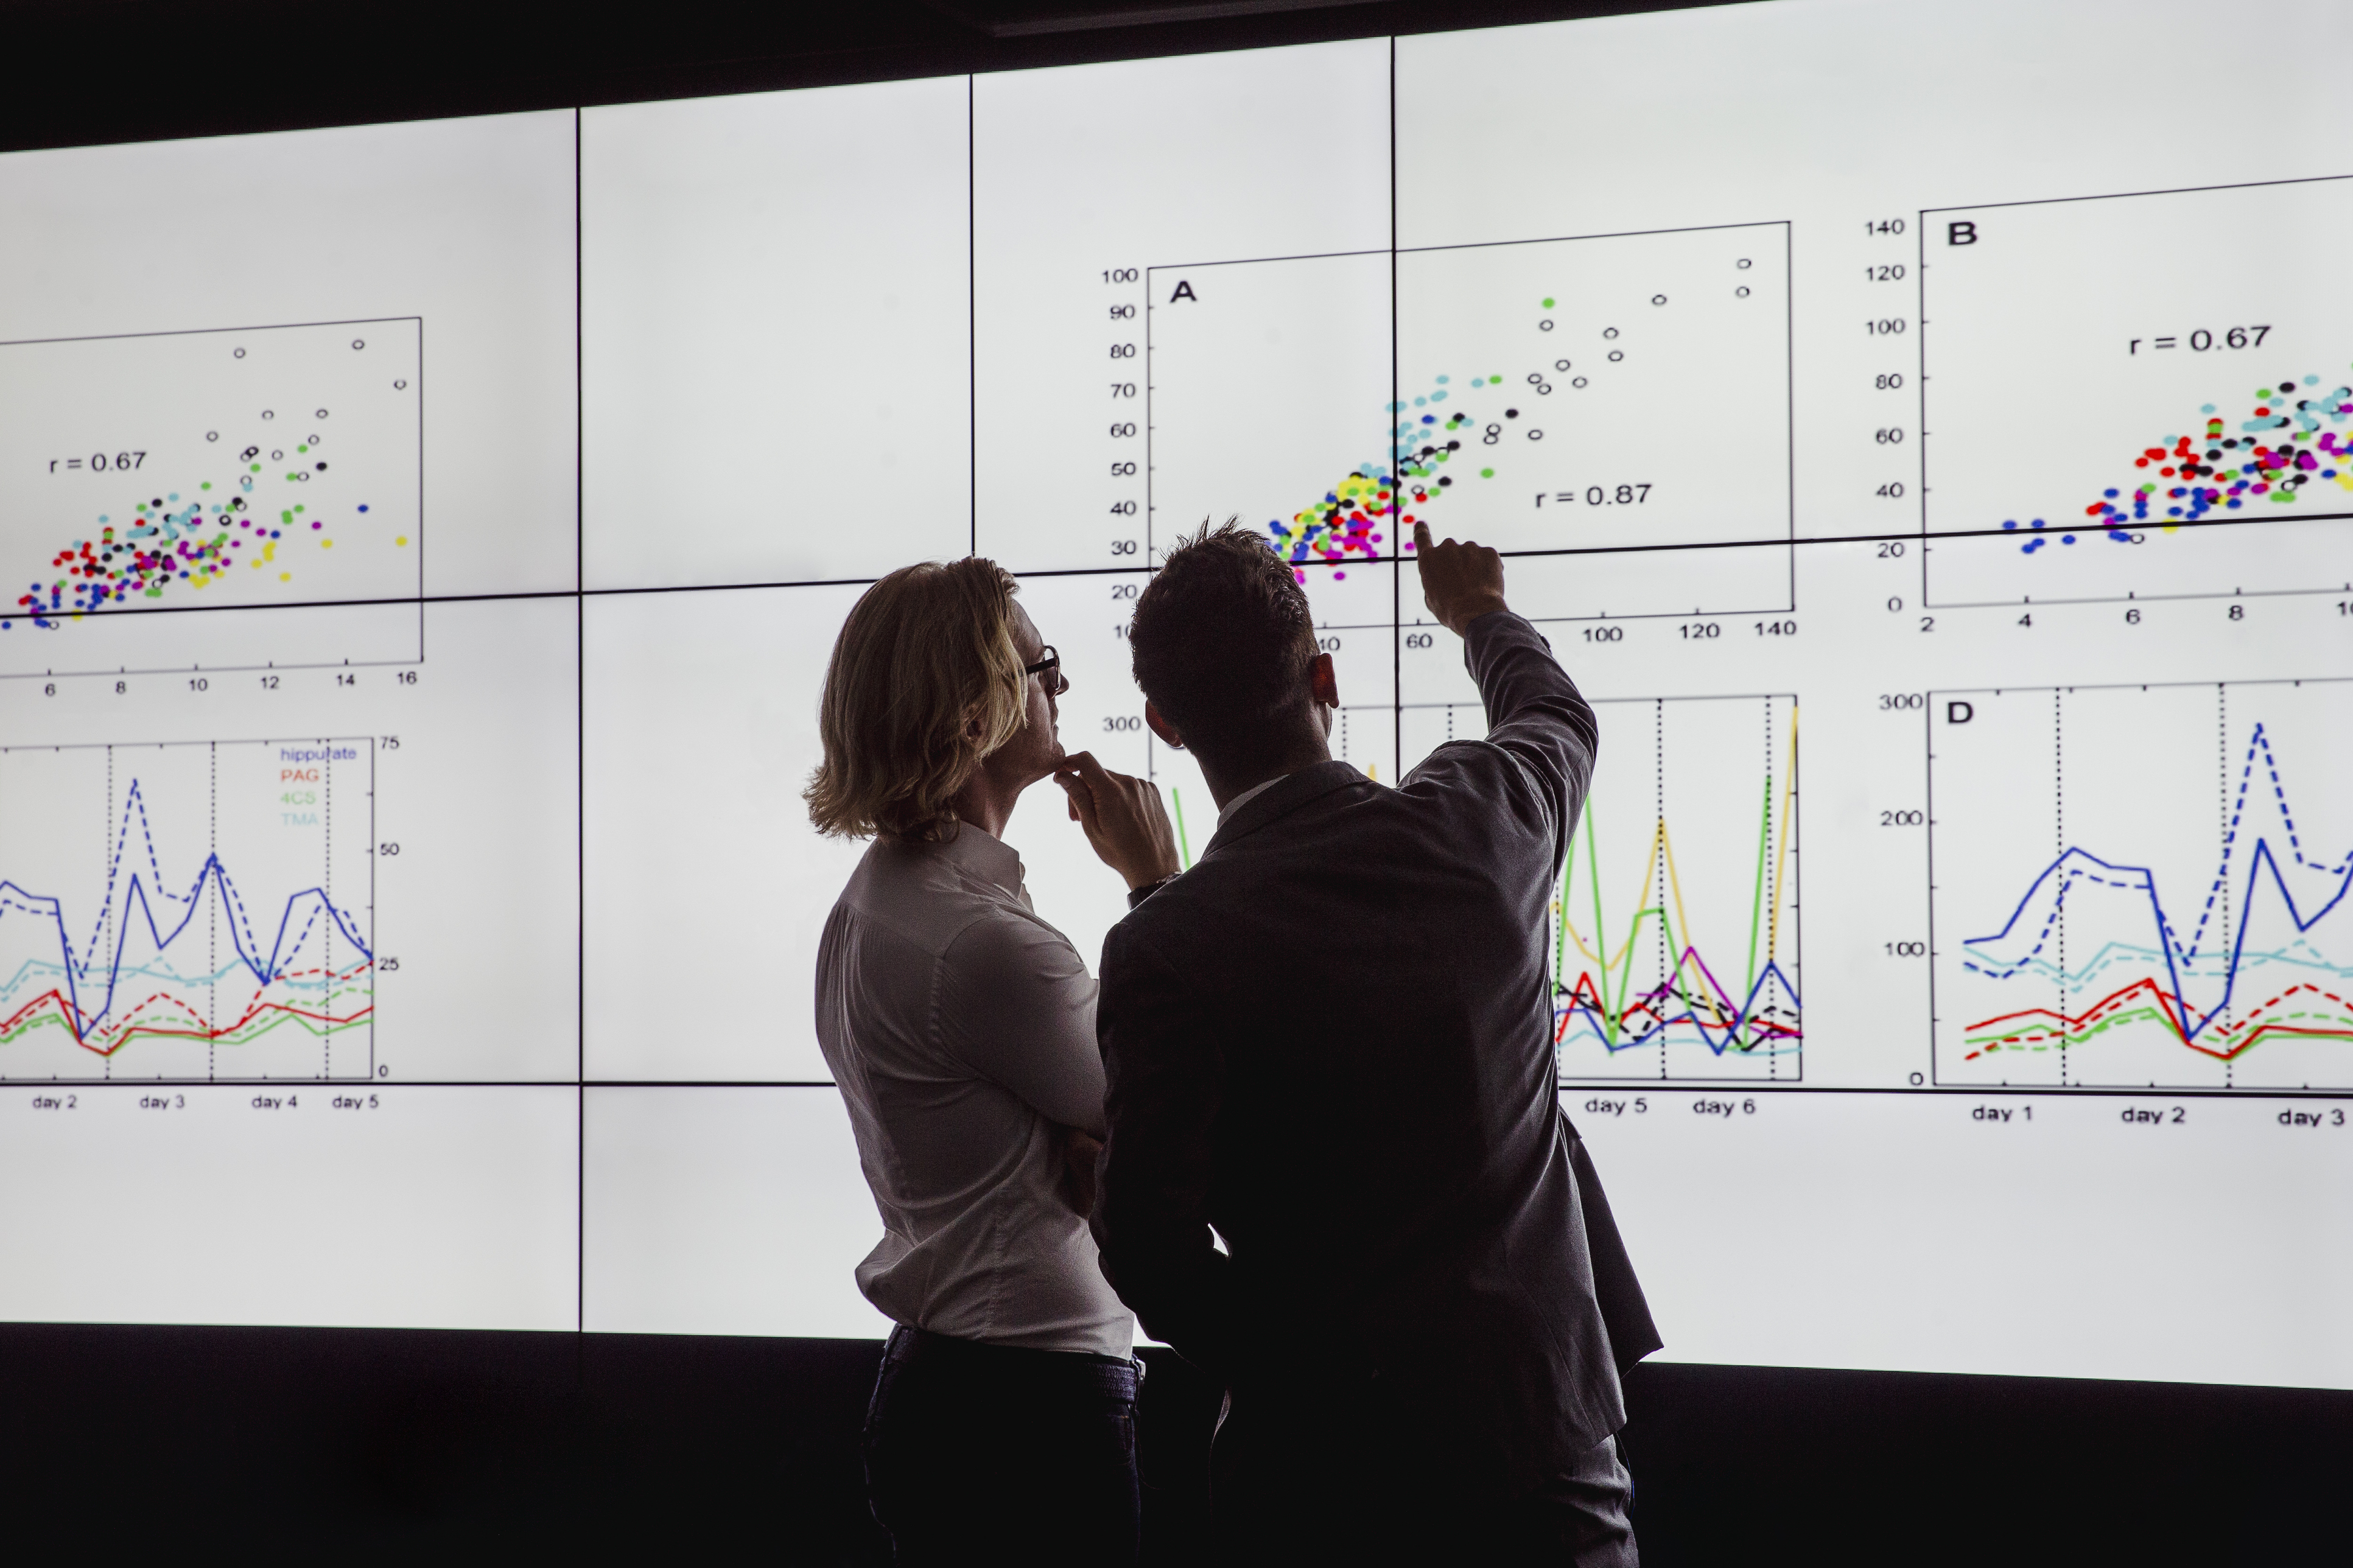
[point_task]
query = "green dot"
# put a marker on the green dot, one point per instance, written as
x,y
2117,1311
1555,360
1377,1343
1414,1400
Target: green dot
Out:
x,y
1487,473
206,486
1547,304
257,468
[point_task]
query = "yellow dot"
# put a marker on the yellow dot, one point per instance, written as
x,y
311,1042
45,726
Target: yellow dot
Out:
x,y
326,544
285,576
403,538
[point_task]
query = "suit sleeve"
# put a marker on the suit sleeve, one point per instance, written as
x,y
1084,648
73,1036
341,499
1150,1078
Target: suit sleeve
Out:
x,y
1537,719
1165,1071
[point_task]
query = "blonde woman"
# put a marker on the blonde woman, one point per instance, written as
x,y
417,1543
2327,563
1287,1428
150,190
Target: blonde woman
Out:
x,y
961,1027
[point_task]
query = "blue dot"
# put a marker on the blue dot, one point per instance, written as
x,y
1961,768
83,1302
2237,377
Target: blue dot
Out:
x,y
1444,379
2010,522
363,509
2066,539
1420,402
2110,494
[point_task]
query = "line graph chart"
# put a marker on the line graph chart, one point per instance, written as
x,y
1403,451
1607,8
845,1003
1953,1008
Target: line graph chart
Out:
x,y
1674,933
190,911
2179,926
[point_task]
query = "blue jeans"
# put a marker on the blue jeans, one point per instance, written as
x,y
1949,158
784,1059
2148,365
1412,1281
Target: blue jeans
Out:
x,y
987,1453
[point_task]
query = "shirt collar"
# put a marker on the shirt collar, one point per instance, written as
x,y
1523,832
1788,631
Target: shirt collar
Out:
x,y
985,856
1226,812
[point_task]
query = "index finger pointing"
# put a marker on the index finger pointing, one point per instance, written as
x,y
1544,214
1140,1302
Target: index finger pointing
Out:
x,y
1420,535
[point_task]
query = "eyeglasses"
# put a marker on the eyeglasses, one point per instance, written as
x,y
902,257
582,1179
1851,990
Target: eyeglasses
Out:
x,y
1050,667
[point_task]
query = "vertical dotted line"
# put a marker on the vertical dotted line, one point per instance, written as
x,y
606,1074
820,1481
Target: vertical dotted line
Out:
x,y
212,909
1659,870
2222,813
327,980
106,1058
1769,997
2059,829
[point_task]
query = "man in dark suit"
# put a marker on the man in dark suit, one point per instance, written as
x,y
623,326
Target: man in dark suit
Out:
x,y
1330,1043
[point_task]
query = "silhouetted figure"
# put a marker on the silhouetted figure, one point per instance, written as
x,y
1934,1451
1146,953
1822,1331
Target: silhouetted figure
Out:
x,y
1330,1042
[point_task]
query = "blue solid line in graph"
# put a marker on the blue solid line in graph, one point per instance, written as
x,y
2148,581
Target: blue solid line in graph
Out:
x,y
14,898
2076,867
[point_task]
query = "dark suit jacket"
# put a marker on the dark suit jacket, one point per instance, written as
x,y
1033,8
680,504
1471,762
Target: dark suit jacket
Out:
x,y
1330,1039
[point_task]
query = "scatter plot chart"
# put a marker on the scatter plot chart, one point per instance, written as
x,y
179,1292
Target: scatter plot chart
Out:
x,y
2104,379
190,911
2144,886
1626,394
223,470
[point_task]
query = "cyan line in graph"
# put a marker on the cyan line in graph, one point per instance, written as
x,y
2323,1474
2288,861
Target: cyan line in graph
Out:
x,y
2191,959
311,903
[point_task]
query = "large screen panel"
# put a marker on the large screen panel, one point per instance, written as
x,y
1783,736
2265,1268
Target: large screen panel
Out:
x,y
1927,476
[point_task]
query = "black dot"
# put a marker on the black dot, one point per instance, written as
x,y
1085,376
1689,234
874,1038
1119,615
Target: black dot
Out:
x,y
322,468
1511,414
2288,386
1445,481
1455,445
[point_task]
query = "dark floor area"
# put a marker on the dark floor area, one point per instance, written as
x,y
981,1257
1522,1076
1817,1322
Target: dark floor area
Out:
x,y
365,1445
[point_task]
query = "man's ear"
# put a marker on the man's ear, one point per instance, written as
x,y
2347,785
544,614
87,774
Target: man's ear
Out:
x,y
1162,727
1323,681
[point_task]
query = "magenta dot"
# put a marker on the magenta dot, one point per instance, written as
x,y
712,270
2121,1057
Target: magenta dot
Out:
x,y
314,525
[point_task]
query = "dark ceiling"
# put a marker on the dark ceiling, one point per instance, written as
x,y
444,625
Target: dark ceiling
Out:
x,y
123,71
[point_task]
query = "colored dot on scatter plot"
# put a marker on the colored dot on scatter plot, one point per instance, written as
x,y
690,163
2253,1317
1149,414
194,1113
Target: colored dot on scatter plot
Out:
x,y
363,509
1487,473
1547,304
400,539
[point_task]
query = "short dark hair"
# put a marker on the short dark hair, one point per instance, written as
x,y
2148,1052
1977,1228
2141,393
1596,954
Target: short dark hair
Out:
x,y
1222,642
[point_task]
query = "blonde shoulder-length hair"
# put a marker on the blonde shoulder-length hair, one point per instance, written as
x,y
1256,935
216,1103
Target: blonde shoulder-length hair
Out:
x,y
924,682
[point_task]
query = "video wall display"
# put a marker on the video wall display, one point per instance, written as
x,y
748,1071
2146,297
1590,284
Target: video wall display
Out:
x,y
423,545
